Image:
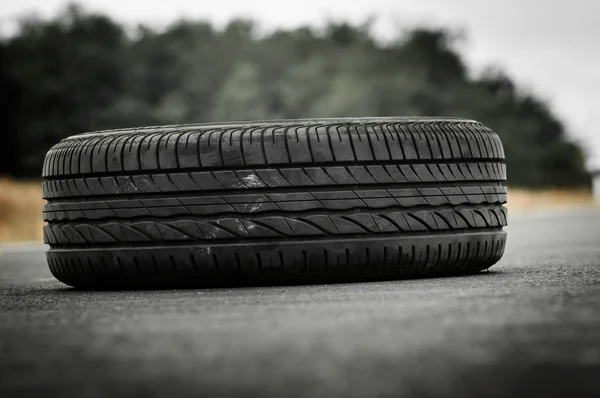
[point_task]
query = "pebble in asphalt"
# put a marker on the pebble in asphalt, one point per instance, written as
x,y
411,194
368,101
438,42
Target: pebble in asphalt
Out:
x,y
528,327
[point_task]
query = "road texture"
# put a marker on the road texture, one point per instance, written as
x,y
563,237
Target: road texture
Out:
x,y
529,327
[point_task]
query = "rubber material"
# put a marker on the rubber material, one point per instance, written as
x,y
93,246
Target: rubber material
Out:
x,y
274,202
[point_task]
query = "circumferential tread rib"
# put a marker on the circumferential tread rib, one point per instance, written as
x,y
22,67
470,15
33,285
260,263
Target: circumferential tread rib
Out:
x,y
496,186
272,202
267,242
276,178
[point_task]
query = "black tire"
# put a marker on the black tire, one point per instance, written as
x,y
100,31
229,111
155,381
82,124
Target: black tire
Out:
x,y
275,202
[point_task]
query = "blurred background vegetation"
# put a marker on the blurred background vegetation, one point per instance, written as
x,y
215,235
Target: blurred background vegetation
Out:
x,y
82,71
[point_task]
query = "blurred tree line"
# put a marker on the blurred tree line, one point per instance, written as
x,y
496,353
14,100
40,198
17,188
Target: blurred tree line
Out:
x,y
81,71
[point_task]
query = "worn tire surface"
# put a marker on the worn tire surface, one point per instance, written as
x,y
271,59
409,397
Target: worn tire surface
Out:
x,y
293,201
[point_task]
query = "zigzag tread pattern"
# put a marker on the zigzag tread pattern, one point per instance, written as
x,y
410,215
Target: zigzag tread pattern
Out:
x,y
275,227
271,144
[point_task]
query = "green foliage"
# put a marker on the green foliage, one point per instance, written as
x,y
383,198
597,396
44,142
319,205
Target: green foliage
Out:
x,y
81,72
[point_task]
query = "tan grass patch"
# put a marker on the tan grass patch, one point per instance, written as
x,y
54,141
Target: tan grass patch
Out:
x,y
20,210
529,199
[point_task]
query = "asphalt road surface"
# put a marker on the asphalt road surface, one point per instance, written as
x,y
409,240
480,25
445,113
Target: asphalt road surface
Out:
x,y
529,327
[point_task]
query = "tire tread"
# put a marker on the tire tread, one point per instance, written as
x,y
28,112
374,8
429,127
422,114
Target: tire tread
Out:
x,y
266,202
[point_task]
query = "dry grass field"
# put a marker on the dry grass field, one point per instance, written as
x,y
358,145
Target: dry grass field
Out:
x,y
20,210
21,206
527,199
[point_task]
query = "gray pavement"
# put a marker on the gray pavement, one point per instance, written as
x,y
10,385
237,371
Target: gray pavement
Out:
x,y
529,327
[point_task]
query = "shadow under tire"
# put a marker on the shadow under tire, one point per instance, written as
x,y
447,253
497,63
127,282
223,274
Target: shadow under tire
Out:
x,y
274,202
